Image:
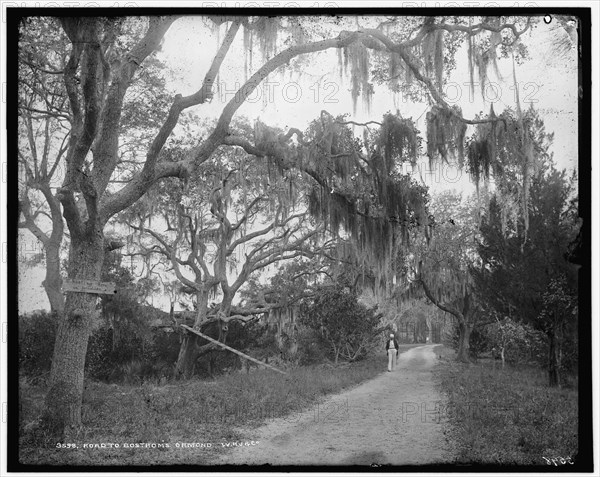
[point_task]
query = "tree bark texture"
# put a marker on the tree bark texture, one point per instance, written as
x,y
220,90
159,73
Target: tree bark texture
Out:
x,y
188,351
188,354
52,282
64,397
463,342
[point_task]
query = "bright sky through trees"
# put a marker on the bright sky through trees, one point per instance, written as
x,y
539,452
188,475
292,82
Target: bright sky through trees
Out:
x,y
546,81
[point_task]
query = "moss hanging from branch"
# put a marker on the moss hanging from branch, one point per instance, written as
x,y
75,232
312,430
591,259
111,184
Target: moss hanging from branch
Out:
x,y
356,55
482,60
432,52
479,159
247,53
484,55
447,285
505,150
470,59
495,40
492,136
317,207
485,147
399,74
526,152
368,199
268,140
399,141
445,134
263,32
266,29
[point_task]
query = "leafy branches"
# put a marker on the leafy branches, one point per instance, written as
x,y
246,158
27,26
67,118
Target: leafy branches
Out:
x,y
350,327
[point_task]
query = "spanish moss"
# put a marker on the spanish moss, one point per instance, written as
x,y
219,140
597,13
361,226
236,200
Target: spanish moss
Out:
x,y
445,134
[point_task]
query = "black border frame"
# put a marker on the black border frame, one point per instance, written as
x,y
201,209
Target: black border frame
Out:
x,y
583,461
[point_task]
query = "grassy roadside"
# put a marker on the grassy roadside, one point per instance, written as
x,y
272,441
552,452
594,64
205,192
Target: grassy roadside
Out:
x,y
506,416
195,412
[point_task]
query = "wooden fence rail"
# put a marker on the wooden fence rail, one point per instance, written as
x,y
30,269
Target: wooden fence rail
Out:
x,y
245,356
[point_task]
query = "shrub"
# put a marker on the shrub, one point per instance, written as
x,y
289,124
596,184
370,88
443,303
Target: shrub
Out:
x,y
36,342
105,355
522,343
348,326
312,348
106,360
165,346
98,361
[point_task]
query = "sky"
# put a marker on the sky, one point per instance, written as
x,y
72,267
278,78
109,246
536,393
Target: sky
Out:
x,y
547,82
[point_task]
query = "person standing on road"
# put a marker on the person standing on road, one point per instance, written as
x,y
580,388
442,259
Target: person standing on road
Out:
x,y
391,346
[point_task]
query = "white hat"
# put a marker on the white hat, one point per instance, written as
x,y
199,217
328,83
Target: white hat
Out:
x,y
391,335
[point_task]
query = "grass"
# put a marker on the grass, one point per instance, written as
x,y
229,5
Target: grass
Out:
x,y
507,416
195,411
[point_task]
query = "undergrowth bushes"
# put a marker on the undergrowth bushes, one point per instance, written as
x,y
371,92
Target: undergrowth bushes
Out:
x,y
131,359
134,358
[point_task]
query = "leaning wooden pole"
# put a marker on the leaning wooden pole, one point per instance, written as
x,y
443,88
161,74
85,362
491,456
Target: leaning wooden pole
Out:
x,y
250,358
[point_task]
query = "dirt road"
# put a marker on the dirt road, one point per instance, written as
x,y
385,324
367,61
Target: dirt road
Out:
x,y
391,419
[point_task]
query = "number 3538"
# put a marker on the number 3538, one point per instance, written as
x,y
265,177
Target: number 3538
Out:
x,y
66,445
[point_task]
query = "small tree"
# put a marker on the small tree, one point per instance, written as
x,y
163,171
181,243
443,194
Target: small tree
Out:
x,y
515,342
558,319
348,326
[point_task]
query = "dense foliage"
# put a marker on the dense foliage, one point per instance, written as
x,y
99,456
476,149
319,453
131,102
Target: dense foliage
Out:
x,y
516,342
36,342
478,342
350,328
525,274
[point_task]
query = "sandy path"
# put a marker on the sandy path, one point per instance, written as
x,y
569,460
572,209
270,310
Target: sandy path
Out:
x,y
391,419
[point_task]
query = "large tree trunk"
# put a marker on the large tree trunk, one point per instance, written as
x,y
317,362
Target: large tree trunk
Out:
x,y
463,342
188,354
188,351
63,401
52,282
